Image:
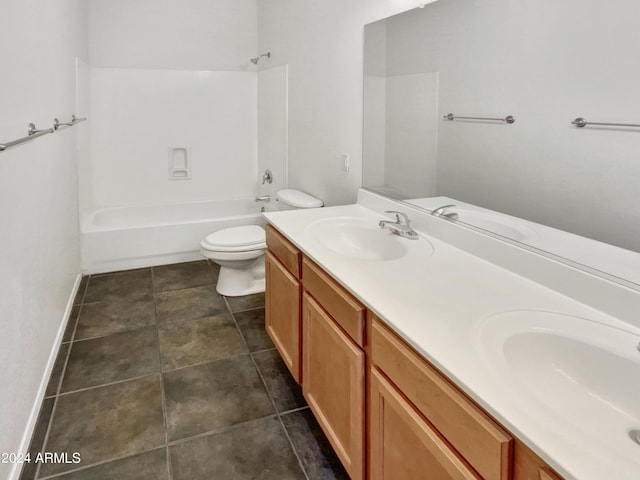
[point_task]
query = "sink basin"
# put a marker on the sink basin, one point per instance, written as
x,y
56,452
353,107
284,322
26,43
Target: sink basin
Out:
x,y
584,373
353,237
494,222
497,223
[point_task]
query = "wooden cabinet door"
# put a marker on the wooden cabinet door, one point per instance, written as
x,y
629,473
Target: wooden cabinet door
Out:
x,y
282,312
547,474
333,384
405,446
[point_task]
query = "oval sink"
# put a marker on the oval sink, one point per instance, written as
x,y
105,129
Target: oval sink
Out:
x,y
497,223
352,237
585,372
493,222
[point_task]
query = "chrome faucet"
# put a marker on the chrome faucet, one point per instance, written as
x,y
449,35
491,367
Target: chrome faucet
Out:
x,y
267,177
400,226
440,212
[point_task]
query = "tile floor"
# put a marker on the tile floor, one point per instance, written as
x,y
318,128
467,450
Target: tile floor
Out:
x,y
159,377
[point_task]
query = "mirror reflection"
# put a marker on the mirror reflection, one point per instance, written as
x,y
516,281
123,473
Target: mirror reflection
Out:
x,y
539,179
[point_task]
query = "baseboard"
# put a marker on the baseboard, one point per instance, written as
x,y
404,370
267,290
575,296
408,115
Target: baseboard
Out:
x,y
141,262
37,405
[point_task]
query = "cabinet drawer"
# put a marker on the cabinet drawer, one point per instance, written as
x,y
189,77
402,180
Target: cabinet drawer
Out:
x,y
483,443
345,310
284,250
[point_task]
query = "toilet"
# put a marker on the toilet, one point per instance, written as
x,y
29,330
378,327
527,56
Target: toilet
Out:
x,y
240,250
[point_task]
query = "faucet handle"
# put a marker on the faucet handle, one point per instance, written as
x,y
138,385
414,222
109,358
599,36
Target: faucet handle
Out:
x,y
401,218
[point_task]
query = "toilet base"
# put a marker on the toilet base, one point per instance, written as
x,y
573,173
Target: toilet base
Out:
x,y
234,282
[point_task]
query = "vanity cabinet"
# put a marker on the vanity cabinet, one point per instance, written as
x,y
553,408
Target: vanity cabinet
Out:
x,y
283,298
388,413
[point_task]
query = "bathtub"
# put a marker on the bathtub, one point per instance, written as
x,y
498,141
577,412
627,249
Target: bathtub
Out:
x,y
120,238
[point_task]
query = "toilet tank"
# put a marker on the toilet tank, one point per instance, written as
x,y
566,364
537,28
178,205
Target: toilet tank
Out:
x,y
293,199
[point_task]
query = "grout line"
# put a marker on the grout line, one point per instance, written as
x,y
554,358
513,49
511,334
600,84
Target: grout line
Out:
x,y
247,309
263,350
75,326
117,272
56,392
159,292
97,464
46,436
205,362
64,394
221,430
114,333
134,300
169,290
273,403
165,420
163,396
224,299
294,410
293,448
86,287
70,343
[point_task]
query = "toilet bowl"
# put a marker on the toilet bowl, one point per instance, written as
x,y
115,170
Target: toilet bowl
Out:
x,y
240,250
240,253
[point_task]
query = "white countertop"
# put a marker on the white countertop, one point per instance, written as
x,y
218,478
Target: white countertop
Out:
x,y
436,299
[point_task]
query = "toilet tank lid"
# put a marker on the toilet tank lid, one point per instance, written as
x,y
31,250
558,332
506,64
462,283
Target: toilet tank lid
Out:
x,y
298,199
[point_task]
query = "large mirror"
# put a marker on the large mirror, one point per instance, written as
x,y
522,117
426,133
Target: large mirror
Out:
x,y
535,178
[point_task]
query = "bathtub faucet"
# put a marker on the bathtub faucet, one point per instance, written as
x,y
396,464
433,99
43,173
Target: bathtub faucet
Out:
x,y
263,198
267,177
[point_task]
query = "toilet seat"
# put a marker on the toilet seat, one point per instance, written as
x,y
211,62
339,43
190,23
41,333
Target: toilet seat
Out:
x,y
236,239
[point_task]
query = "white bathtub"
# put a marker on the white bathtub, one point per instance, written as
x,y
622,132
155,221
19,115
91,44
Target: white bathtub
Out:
x,y
119,238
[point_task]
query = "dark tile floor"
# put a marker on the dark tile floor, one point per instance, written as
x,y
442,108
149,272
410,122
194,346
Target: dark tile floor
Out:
x,y
161,378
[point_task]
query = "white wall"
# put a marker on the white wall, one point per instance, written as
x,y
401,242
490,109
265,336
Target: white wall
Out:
x,y
322,42
139,114
173,34
39,247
